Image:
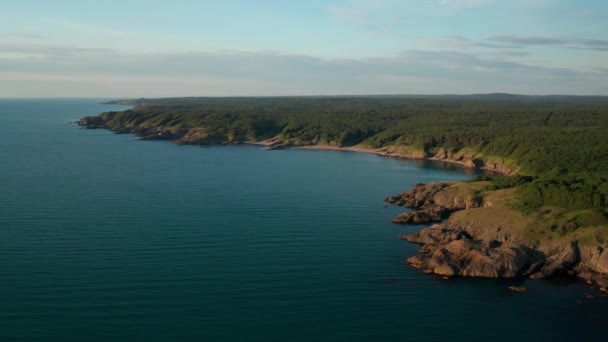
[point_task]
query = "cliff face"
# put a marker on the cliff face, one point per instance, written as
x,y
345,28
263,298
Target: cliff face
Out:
x,y
483,240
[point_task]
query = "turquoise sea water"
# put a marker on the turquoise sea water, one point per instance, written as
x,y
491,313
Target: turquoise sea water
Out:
x,y
107,238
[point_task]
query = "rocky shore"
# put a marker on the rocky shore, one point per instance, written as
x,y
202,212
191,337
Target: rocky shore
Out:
x,y
463,247
432,203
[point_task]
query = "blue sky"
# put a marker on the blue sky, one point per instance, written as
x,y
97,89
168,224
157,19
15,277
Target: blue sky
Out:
x,y
220,48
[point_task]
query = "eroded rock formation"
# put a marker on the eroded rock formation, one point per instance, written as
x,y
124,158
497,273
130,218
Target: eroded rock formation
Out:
x,y
432,202
464,247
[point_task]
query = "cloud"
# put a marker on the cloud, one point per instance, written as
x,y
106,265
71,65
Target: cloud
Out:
x,y
600,70
22,35
88,28
528,40
579,43
461,42
101,72
514,45
52,50
462,61
513,53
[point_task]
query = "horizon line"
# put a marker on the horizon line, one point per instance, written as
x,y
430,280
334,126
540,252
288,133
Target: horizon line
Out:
x,y
301,96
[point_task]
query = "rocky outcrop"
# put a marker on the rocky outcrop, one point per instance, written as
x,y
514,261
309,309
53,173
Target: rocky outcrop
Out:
x,y
593,267
93,122
450,249
429,214
483,242
469,160
417,197
453,249
432,202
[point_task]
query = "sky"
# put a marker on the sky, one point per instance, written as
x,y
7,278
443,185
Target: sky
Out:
x,y
152,48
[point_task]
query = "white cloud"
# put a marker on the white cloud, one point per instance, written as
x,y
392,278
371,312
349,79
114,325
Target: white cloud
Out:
x,y
572,42
65,71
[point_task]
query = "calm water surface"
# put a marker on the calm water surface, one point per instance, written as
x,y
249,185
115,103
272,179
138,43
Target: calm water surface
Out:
x,y
107,238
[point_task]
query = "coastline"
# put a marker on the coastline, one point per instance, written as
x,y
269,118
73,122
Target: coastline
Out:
x,y
384,153
460,247
467,160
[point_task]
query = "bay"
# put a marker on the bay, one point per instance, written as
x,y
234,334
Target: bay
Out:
x,y
104,237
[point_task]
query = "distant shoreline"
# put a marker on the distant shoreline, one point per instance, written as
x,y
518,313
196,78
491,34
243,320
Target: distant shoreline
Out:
x,y
380,152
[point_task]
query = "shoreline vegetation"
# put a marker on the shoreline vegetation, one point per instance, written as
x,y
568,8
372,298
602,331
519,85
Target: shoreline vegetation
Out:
x,y
540,212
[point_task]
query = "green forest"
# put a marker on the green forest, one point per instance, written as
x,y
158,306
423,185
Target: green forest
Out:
x,y
556,147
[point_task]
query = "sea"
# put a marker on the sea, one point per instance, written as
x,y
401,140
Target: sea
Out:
x,y
104,237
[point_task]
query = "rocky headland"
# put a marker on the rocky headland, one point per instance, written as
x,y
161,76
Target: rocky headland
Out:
x,y
482,239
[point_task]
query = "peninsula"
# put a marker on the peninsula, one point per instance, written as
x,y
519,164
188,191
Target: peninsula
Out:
x,y
540,213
